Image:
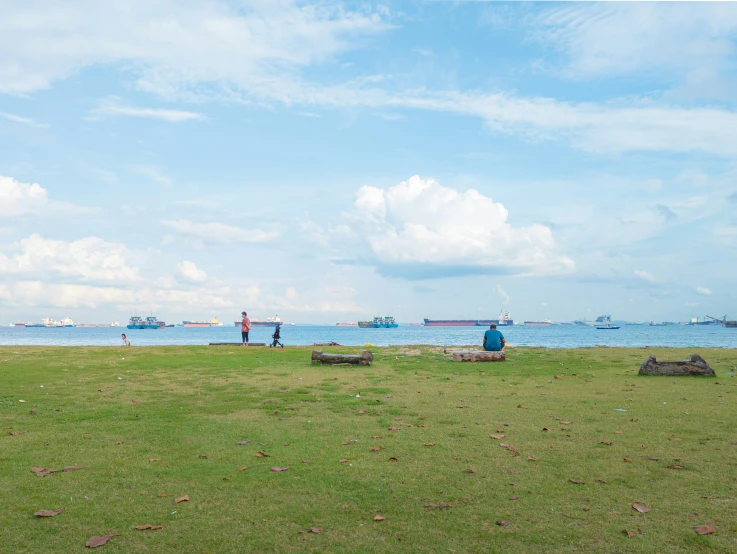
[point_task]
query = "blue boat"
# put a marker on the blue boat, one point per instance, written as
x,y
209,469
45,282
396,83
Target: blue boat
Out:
x,y
149,323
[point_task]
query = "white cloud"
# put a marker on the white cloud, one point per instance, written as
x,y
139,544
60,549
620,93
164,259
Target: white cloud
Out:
x,y
703,290
89,259
155,175
18,198
113,108
428,229
645,275
219,233
191,272
24,120
171,43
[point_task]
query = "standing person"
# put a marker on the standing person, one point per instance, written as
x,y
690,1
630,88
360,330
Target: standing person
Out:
x,y
126,342
494,340
245,327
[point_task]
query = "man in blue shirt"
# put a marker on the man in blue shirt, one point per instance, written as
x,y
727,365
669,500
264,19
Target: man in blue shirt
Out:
x,y
494,340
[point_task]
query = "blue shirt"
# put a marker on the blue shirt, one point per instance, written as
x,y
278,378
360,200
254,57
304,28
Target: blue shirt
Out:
x,y
493,340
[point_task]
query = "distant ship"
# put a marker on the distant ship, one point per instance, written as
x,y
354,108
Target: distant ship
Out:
x,y
504,319
708,320
268,322
386,322
96,325
212,323
149,323
605,322
543,323
348,324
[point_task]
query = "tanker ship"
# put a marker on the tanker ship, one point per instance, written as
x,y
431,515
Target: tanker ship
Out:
x,y
504,319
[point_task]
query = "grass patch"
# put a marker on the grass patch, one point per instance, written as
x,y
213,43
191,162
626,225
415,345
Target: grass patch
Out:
x,y
112,410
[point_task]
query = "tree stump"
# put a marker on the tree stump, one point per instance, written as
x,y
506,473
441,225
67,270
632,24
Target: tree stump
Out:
x,y
478,356
696,365
365,358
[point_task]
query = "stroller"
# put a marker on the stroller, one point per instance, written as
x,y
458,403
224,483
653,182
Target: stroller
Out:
x,y
276,336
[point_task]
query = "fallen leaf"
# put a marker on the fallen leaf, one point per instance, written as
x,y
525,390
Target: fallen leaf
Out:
x,y
279,469
642,508
705,530
377,437
532,459
619,432
559,376
305,461
601,480
469,470
163,495
545,429
260,454
48,513
575,481
154,459
344,461
15,433
507,446
243,443
634,420
203,457
71,468
184,498
514,498
316,530
94,542
283,390
521,406
41,471
502,523
242,468
393,459
149,526
393,428
377,517
514,453
118,442
497,437
675,466
643,446
630,534
608,443
652,459
626,460
429,444
376,448
566,422
361,411
461,406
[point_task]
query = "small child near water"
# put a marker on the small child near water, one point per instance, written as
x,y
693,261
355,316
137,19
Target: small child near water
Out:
x,y
126,342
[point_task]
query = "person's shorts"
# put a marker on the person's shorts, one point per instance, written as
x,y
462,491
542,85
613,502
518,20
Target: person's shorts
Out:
x,y
244,336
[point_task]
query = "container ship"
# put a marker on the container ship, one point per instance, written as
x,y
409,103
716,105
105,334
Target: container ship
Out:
x,y
212,323
149,323
386,322
504,319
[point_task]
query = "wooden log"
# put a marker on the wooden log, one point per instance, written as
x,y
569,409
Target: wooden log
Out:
x,y
696,365
365,358
478,356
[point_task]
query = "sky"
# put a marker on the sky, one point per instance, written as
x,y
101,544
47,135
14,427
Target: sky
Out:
x,y
331,161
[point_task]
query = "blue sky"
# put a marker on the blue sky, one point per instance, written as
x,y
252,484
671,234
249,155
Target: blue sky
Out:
x,y
330,161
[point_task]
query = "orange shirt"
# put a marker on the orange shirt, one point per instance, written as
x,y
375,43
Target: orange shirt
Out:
x,y
246,325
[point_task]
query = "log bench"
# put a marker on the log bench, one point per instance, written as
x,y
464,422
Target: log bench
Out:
x,y
695,365
478,356
365,358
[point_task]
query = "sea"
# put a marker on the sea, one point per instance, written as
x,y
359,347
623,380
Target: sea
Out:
x,y
557,336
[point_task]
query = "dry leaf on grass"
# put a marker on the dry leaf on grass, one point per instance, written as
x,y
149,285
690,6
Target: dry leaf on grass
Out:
x,y
514,453
149,526
184,498
521,406
243,443
163,495
41,471
283,390
394,428
630,534
545,429
429,444
344,460
705,530
507,446
532,459
377,517
154,459
279,469
601,480
640,507
316,530
361,411
203,457
242,468
260,454
675,466
94,542
565,422
497,437
377,437
608,443
469,470
15,433
48,513
626,460
502,523
575,481
305,461
619,432
376,448
514,498
118,442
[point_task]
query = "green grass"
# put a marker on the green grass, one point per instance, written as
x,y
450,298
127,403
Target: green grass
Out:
x,y
182,403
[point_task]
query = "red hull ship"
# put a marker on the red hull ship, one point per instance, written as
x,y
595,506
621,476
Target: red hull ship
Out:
x,y
504,319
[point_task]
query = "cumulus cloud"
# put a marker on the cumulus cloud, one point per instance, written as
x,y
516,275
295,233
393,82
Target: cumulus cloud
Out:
x,y
420,228
89,259
219,233
703,290
18,198
191,272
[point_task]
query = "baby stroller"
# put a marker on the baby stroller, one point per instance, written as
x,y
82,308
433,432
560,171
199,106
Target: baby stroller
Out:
x,y
276,336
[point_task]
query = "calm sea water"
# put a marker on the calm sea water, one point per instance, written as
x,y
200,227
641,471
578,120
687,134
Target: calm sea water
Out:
x,y
551,337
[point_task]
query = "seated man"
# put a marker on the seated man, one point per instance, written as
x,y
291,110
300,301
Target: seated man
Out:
x,y
494,340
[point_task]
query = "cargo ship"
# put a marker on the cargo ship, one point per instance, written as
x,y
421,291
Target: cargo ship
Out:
x,y
268,322
149,323
543,323
386,322
504,319
95,325
212,323
708,320
348,324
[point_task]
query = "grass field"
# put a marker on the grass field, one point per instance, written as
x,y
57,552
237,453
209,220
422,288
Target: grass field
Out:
x,y
438,478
